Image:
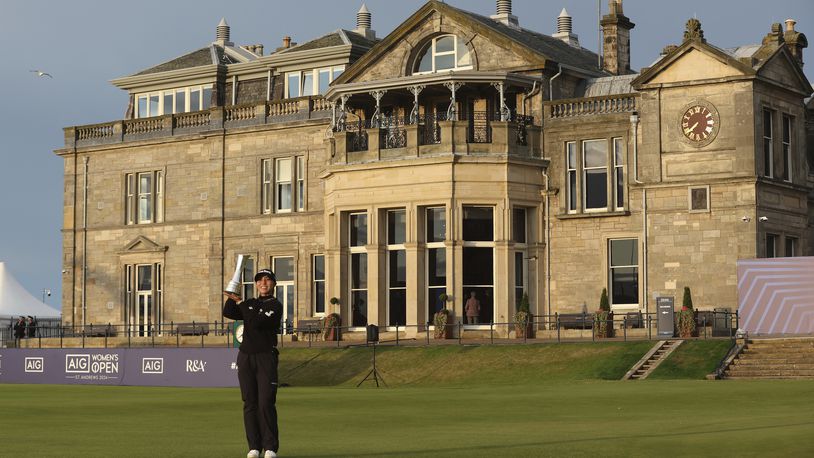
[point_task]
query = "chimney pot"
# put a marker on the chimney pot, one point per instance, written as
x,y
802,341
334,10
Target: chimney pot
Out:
x,y
790,25
286,42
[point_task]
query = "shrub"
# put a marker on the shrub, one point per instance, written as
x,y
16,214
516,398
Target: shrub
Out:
x,y
604,304
440,321
523,317
602,318
686,323
334,300
331,325
686,303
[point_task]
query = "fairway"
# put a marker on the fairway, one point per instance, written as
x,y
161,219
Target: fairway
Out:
x,y
578,418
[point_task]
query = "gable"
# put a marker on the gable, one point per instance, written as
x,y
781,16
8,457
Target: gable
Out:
x,y
695,65
780,68
142,244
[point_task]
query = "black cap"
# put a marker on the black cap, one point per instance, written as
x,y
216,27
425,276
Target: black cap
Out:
x,y
265,273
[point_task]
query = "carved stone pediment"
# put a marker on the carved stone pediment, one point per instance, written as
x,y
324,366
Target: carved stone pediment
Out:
x,y
142,244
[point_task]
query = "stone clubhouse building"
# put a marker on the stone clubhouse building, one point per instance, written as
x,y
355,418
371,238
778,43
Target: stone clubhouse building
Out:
x,y
461,153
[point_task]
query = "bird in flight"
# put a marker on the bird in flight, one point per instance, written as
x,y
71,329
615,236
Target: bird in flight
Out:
x,y
41,73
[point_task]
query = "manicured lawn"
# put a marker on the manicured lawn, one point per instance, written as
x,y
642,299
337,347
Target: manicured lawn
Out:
x,y
479,418
693,359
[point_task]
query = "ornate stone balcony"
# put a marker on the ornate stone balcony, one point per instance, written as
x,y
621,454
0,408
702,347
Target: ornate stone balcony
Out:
x,y
289,110
611,104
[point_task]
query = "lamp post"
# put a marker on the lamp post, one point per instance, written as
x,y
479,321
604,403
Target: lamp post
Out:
x,y
45,292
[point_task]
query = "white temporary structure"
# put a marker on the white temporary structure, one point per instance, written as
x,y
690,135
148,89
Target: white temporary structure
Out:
x,y
16,300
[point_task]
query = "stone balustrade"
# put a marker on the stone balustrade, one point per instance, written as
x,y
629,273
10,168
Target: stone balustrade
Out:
x,y
591,106
301,109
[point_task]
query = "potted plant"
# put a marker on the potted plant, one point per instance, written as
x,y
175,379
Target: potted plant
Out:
x,y
686,317
523,319
603,318
441,321
331,326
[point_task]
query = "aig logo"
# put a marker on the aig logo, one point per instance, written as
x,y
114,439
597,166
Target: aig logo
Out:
x,y
196,365
152,365
34,364
77,364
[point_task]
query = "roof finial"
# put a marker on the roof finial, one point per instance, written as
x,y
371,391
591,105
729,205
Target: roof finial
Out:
x,y
504,6
222,32
504,14
694,31
564,22
364,22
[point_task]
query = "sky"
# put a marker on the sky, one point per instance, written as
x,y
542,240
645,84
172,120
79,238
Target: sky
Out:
x,y
86,43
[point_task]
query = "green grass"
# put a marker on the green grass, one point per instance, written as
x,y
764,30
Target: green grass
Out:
x,y
693,359
550,418
455,365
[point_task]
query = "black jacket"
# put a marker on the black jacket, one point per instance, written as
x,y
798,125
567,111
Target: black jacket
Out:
x,y
261,322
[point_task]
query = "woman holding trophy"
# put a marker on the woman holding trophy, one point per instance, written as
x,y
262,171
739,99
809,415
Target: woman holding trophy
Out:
x,y
257,360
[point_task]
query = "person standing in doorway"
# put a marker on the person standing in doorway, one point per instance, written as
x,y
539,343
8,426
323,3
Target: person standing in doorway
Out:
x,y
257,362
472,309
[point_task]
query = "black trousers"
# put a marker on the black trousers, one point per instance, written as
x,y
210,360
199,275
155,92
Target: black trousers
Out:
x,y
257,374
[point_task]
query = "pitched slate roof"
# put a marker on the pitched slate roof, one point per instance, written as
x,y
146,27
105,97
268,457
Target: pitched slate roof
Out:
x,y
609,85
336,38
211,55
554,48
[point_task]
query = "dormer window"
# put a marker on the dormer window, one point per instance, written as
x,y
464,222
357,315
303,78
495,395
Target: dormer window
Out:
x,y
179,100
446,52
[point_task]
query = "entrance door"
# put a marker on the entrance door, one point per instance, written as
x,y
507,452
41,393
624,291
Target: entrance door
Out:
x,y
284,292
142,318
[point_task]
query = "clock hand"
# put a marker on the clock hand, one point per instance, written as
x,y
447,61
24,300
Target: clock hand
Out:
x,y
693,127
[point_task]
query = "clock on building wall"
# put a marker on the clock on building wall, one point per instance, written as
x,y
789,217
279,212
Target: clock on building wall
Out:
x,y
699,123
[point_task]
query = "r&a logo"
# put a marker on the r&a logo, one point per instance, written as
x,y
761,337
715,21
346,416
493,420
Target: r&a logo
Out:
x,y
196,365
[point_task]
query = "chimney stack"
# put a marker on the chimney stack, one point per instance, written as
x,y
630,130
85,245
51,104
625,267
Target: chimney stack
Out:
x,y
364,22
286,42
222,34
504,14
616,29
795,41
564,29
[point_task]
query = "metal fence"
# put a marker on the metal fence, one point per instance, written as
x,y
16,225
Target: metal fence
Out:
x,y
580,327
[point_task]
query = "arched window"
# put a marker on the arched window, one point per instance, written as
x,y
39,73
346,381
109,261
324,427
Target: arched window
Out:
x,y
446,52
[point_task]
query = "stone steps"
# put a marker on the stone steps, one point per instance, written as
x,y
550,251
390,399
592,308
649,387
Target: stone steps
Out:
x,y
646,365
789,358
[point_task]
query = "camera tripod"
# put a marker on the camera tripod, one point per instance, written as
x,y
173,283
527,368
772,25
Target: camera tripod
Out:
x,y
373,372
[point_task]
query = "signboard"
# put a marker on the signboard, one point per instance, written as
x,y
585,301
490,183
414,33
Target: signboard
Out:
x,y
192,367
665,310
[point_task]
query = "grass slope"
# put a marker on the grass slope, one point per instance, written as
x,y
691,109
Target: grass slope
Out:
x,y
452,365
546,418
693,359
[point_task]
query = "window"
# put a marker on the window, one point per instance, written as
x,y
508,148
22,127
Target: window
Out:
x,y
571,160
519,235
446,52
179,100
771,245
396,268
436,228
280,179
619,173
300,183
311,82
519,278
699,199
791,247
143,314
787,149
358,268
768,147
144,197
282,175
247,278
519,230
284,291
478,260
318,291
624,272
595,175
587,175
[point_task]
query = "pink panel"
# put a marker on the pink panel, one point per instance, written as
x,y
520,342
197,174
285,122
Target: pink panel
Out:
x,y
776,296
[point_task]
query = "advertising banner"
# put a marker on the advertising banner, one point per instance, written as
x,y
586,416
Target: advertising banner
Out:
x,y
776,296
189,367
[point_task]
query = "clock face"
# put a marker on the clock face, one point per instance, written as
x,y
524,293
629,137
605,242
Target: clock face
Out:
x,y
699,124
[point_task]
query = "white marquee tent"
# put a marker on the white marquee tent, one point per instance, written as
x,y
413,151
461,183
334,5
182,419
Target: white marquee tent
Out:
x,y
16,301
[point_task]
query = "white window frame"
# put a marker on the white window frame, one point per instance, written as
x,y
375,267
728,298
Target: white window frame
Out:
x,y
165,95
266,186
619,153
775,238
572,177
584,178
431,48
610,273
436,245
133,315
286,285
300,188
481,244
786,131
247,276
134,201
314,282
768,141
794,243
393,249
280,183
362,250
333,74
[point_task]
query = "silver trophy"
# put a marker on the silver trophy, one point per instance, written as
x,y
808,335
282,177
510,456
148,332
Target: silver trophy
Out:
x,y
234,286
